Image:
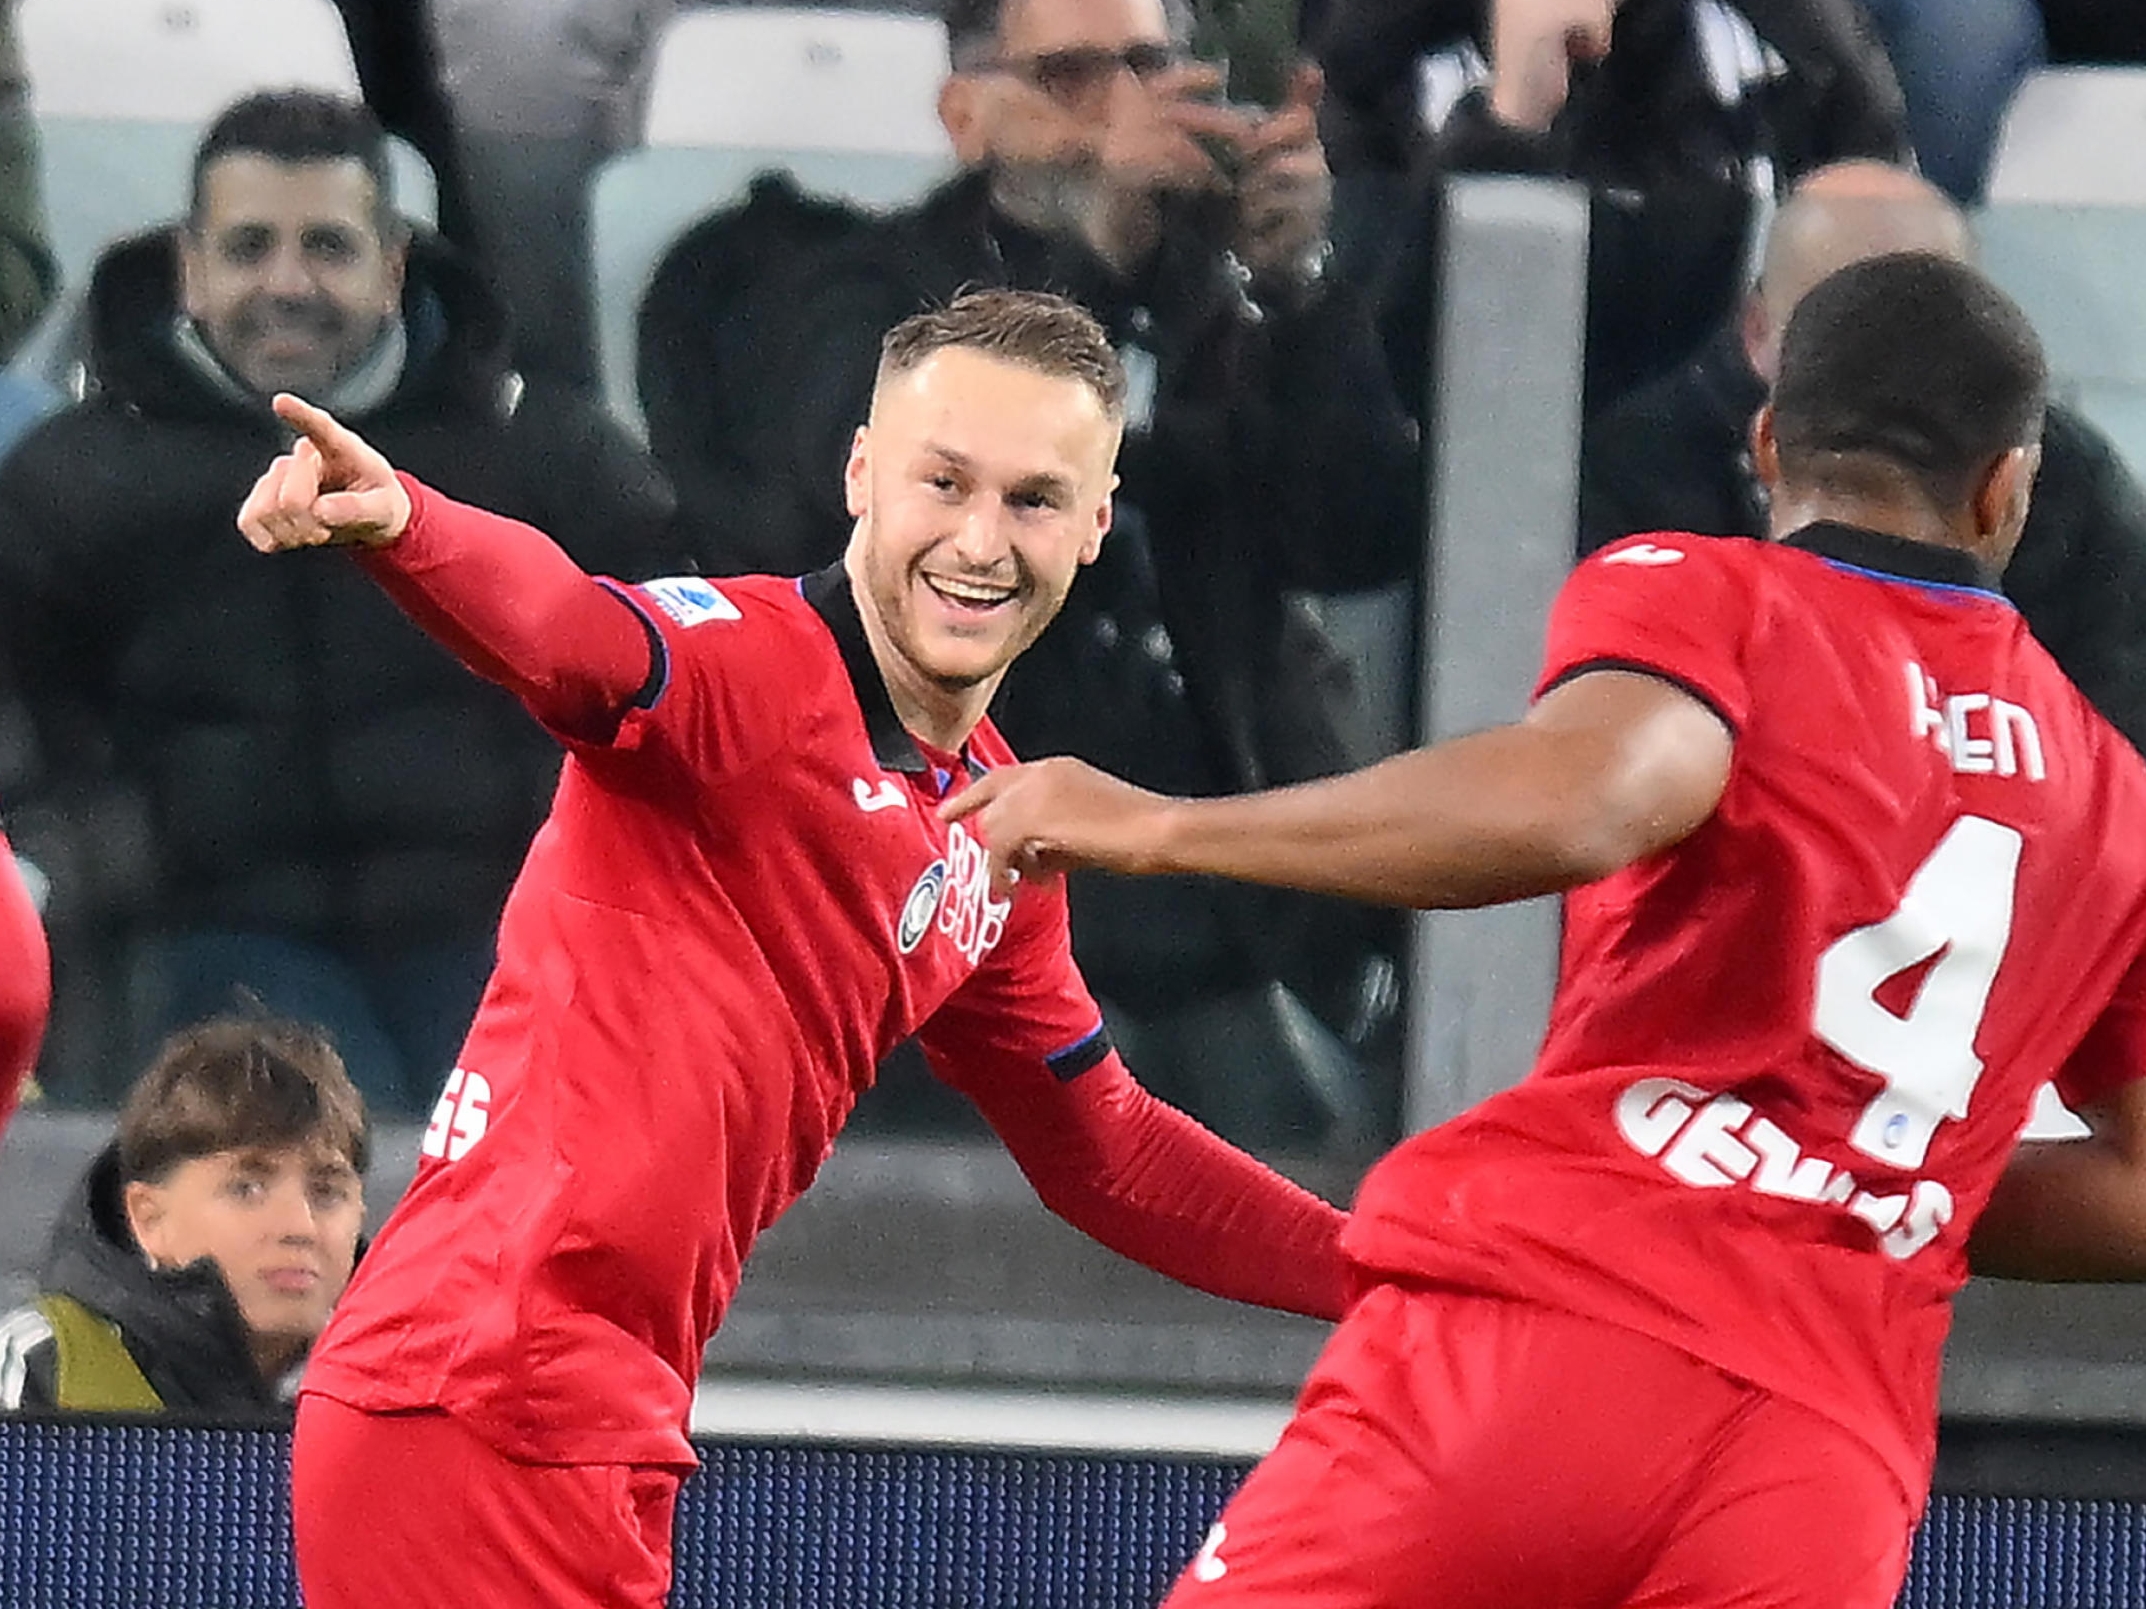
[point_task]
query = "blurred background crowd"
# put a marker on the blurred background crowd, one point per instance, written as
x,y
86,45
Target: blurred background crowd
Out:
x,y
619,267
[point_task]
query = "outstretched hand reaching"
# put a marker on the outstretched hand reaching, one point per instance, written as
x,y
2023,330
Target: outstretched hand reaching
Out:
x,y
331,489
1059,814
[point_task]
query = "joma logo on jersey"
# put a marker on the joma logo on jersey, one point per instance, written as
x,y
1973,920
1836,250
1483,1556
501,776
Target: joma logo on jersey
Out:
x,y
1644,553
459,1121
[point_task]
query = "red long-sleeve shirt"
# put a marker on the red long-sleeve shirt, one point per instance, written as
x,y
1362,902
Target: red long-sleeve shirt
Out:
x,y
25,983
742,900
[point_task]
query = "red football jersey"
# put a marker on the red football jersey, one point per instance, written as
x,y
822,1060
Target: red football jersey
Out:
x,y
735,909
25,982
1789,1057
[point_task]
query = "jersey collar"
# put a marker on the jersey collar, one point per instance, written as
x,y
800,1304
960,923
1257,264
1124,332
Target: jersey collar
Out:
x,y
1892,555
828,591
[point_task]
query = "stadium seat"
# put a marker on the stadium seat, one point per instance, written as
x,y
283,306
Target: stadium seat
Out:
x,y
799,79
643,200
2074,135
175,61
2075,269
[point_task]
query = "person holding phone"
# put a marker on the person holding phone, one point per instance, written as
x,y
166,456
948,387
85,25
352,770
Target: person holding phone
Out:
x,y
1265,453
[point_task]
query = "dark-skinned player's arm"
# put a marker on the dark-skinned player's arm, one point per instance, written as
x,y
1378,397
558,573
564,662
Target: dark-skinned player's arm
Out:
x,y
501,595
1606,768
2072,1209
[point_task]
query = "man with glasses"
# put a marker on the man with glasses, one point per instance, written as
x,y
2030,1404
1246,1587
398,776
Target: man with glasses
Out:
x,y
1265,452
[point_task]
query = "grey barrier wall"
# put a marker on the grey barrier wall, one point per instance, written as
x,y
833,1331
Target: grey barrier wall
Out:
x,y
105,1514
1503,462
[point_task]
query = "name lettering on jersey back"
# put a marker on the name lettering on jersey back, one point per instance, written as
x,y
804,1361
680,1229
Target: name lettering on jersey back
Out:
x,y
1978,733
970,918
1717,1142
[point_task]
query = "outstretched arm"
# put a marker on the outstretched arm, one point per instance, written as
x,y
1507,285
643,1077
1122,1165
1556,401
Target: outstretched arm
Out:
x,y
2072,1209
503,596
1608,768
1147,1181
25,983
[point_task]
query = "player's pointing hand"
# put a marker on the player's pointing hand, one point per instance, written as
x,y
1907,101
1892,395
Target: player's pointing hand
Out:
x,y
1055,815
330,490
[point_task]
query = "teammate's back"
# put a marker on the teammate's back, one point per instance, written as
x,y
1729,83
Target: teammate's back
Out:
x,y
1851,872
1790,1055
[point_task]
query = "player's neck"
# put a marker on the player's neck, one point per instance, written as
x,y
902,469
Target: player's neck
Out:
x,y
941,717
1911,518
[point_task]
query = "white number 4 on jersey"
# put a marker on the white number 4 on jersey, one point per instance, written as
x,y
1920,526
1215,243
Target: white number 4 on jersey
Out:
x,y
1957,910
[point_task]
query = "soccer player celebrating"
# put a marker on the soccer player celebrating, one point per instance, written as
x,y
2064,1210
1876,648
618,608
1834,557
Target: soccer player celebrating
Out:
x,y
1853,871
743,898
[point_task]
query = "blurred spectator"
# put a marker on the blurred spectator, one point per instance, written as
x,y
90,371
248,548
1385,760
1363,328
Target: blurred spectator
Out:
x,y
1675,455
1960,64
542,92
1265,452
227,797
28,274
200,1256
25,983
1685,118
395,47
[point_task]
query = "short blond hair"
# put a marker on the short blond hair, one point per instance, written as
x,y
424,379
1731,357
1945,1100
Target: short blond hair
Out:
x,y
1035,329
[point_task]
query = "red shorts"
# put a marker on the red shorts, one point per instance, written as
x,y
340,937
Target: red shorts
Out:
x,y
1476,1453
413,1510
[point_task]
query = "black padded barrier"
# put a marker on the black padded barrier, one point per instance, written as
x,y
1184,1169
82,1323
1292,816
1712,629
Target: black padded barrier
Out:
x,y
113,1514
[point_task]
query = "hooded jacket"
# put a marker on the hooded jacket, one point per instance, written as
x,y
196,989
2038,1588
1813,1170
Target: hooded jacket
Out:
x,y
181,1328
311,766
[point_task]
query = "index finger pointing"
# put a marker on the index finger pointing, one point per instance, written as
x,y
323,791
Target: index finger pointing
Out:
x,y
975,796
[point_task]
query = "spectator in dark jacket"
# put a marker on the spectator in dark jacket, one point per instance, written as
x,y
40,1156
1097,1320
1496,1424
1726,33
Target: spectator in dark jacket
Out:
x,y
1685,119
1265,452
203,1251
336,839
1675,455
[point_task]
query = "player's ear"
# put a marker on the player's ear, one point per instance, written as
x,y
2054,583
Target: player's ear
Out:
x,y
1091,549
856,474
2002,498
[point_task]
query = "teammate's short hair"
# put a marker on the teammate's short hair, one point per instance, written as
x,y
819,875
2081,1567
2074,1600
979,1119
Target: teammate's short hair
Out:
x,y
293,126
240,1083
1913,360
1035,329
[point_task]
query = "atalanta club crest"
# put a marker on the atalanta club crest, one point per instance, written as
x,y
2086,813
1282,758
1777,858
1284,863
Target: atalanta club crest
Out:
x,y
920,907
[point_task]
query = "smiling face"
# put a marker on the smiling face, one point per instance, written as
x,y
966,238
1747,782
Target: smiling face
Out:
x,y
281,1223
980,487
286,271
